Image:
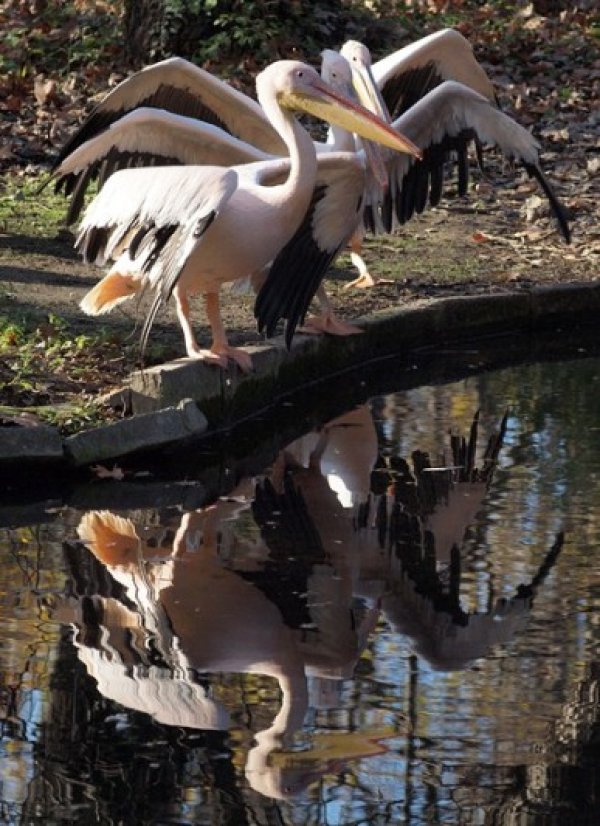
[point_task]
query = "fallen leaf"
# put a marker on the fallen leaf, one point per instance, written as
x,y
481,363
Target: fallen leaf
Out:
x,y
593,165
44,90
104,473
534,207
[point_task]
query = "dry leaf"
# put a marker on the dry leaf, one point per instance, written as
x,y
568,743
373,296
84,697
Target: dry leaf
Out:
x,y
104,473
534,207
44,90
593,165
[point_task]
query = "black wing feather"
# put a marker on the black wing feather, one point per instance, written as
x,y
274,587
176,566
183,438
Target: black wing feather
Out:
x,y
294,278
102,169
555,205
423,182
402,91
166,242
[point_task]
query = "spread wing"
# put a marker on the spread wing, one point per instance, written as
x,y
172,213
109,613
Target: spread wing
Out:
x,y
177,86
442,124
157,216
407,75
147,137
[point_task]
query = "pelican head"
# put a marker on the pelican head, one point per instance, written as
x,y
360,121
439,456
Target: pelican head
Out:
x,y
359,58
299,87
336,71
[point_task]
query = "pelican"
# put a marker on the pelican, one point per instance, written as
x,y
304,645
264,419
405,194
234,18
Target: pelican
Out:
x,y
191,229
445,120
138,134
175,112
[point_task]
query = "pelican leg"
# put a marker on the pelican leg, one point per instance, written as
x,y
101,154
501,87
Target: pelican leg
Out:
x,y
326,321
220,347
365,279
220,350
191,345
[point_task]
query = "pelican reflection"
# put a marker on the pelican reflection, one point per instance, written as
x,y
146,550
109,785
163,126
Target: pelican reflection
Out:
x,y
334,539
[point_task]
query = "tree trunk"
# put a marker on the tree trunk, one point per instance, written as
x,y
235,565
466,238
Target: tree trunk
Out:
x,y
143,22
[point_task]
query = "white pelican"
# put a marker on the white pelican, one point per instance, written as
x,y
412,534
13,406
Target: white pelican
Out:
x,y
191,229
442,122
145,136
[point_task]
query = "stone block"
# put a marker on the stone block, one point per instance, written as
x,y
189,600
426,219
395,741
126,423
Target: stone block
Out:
x,y
138,433
165,385
565,304
40,443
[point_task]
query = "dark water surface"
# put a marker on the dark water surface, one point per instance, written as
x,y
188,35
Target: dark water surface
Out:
x,y
394,623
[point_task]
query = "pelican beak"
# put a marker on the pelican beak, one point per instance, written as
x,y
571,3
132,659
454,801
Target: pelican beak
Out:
x,y
325,103
368,90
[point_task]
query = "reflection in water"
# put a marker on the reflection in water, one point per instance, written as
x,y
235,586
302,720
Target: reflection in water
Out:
x,y
387,626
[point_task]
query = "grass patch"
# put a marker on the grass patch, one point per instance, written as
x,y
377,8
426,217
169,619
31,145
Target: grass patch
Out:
x,y
48,370
24,210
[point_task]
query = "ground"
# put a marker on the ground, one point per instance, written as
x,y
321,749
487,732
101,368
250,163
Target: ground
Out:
x,y
500,237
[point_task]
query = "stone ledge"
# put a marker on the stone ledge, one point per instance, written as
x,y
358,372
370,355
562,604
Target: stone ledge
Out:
x,y
227,395
165,398
24,444
143,432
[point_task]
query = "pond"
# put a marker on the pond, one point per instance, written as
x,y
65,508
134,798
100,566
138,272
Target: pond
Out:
x,y
396,621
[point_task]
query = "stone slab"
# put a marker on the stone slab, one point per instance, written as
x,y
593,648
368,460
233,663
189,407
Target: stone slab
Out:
x,y
138,433
567,303
23,444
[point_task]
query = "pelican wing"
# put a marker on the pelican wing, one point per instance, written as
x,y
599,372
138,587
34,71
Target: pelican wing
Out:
x,y
445,121
178,86
299,268
157,215
407,75
147,137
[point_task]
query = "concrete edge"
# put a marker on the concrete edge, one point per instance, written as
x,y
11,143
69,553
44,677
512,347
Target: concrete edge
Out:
x,y
182,400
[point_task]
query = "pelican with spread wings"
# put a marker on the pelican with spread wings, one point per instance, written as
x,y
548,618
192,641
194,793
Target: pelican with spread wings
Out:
x,y
128,128
442,117
189,229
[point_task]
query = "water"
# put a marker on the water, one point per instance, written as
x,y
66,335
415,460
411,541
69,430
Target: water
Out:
x,y
287,654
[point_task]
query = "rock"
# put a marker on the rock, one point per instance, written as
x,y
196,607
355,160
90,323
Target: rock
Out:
x,y
24,444
138,433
